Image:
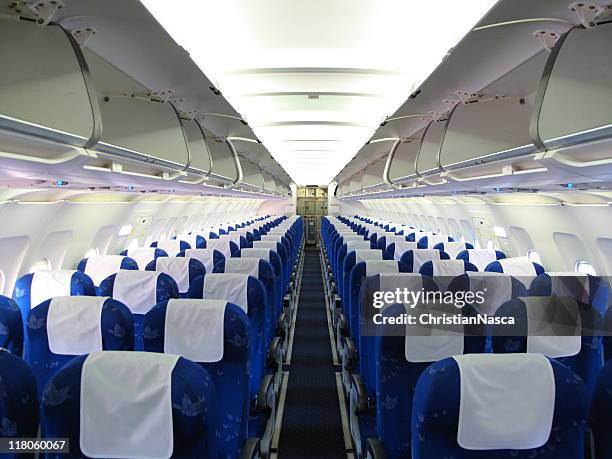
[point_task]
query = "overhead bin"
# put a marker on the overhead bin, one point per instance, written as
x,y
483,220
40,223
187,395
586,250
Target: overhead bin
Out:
x,y
355,182
487,131
269,184
373,174
225,162
251,174
46,98
429,149
576,89
199,156
401,162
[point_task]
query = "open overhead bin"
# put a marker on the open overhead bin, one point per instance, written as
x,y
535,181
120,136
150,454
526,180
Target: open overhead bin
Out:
x,y
199,157
355,182
225,161
401,162
574,115
48,108
269,182
373,175
252,177
427,158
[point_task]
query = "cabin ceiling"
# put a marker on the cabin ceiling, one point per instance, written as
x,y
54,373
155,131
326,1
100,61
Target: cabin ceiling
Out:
x,y
314,79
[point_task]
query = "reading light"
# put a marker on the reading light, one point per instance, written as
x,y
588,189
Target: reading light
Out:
x,y
269,58
61,182
569,185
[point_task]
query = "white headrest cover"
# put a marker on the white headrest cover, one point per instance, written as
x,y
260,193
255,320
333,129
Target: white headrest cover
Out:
x,y
401,247
357,245
270,245
136,289
228,287
481,257
391,282
435,239
497,288
142,256
49,284
204,256
191,239
194,329
518,266
73,324
126,405
572,284
102,266
545,312
177,268
248,266
264,254
367,254
171,246
391,238
453,248
222,245
438,345
449,268
421,256
507,401
374,267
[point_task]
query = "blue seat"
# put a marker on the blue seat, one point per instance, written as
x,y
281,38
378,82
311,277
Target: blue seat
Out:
x,y
100,267
439,396
275,260
350,260
11,326
193,418
99,324
481,258
446,268
414,259
282,252
592,290
225,246
397,372
143,255
453,249
195,240
384,240
430,241
601,411
18,400
583,354
171,246
208,257
396,249
224,355
183,270
139,291
343,251
34,288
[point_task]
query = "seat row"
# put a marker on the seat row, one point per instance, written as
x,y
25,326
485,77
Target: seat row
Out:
x,y
381,370
225,323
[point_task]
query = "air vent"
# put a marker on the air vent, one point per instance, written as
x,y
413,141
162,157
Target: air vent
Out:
x,y
313,97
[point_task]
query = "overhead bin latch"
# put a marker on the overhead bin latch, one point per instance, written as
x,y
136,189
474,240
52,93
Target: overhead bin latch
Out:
x,y
547,38
45,10
587,12
83,35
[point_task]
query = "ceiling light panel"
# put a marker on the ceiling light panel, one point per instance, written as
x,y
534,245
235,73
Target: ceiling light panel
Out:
x,y
316,75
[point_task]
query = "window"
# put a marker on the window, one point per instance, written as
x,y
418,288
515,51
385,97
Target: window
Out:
x,y
41,265
476,243
585,268
91,253
163,236
125,230
534,256
491,245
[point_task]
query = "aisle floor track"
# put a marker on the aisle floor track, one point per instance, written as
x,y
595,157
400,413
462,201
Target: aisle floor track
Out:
x,y
311,423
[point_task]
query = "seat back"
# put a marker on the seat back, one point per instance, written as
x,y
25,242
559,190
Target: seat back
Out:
x,y
182,269
62,328
176,396
414,259
171,246
492,406
144,255
100,267
11,326
481,258
218,342
208,257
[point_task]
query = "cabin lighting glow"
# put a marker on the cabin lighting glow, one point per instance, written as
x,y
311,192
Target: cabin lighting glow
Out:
x,y
569,185
125,230
500,232
61,183
312,76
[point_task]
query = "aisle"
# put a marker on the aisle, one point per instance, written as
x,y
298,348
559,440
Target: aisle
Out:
x,y
311,426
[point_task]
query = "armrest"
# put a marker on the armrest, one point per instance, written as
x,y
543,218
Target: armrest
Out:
x,y
343,329
281,324
250,449
337,302
362,395
260,406
274,351
351,354
375,449
286,301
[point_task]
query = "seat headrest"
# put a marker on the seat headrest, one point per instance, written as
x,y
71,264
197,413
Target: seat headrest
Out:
x,y
177,268
230,287
126,405
401,247
171,246
377,266
222,245
481,257
507,401
142,256
518,266
48,284
204,256
497,288
100,267
263,254
421,256
572,284
367,254
136,289
453,249
194,329
248,266
360,244
74,324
